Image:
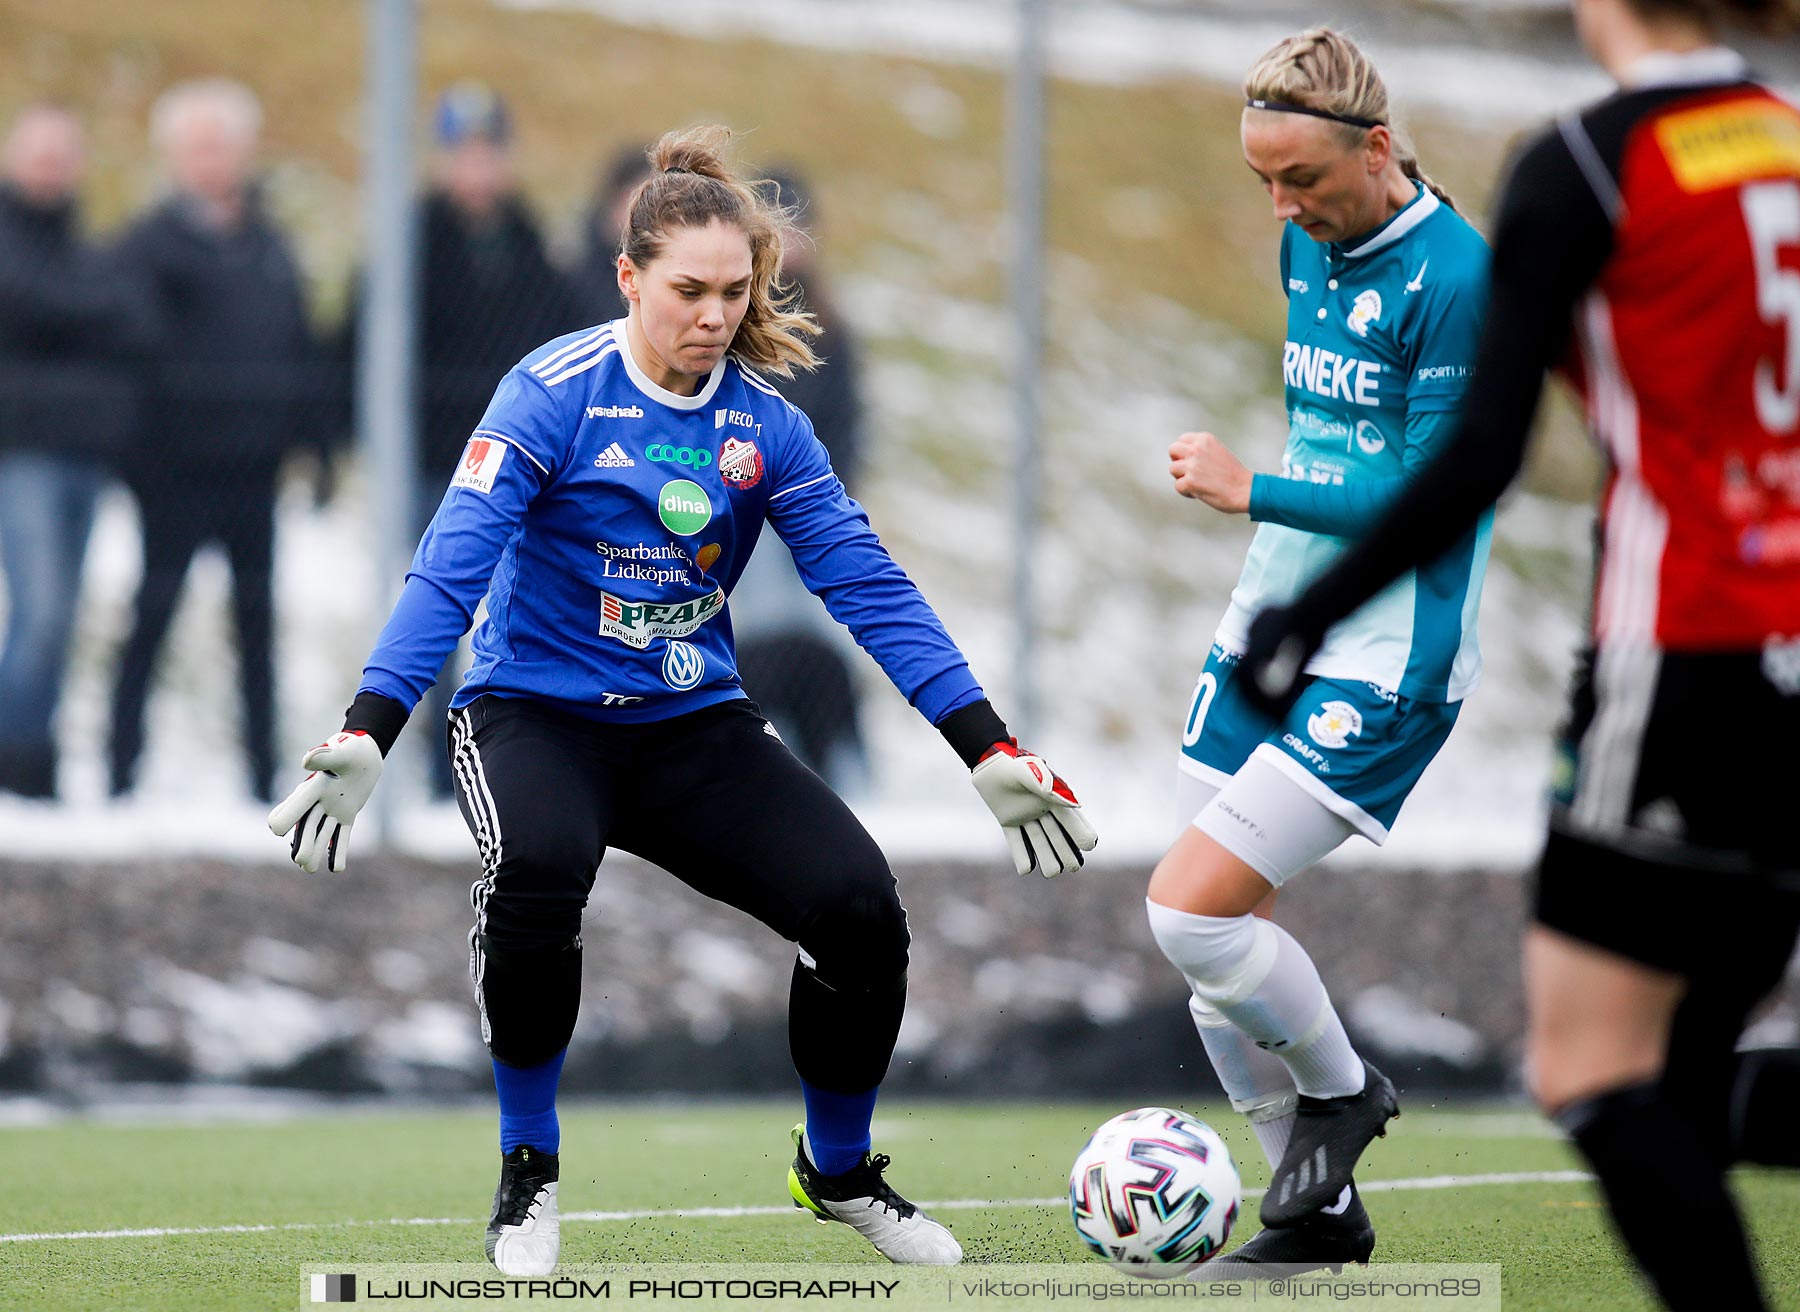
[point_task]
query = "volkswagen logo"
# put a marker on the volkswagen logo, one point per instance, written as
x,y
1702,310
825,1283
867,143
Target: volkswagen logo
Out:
x,y
683,666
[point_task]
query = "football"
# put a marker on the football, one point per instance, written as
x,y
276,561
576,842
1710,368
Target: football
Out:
x,y
1154,1191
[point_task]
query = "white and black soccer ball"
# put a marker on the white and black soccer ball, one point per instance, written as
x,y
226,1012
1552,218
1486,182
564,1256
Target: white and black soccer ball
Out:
x,y
1155,1191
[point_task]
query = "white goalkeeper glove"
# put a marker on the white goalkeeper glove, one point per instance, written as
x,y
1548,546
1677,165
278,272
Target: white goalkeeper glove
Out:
x,y
322,809
1044,824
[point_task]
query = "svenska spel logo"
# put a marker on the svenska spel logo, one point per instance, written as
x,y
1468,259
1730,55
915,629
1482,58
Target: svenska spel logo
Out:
x,y
684,507
334,1289
480,465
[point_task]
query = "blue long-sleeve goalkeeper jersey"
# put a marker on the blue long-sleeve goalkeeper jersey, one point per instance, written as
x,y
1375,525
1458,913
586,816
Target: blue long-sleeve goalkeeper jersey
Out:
x,y
605,519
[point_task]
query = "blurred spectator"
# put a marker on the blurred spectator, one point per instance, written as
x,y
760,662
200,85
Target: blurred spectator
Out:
x,y
490,291
67,407
489,296
794,661
597,273
227,396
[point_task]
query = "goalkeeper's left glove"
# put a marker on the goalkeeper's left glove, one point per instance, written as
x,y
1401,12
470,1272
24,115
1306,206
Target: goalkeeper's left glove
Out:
x,y
1044,824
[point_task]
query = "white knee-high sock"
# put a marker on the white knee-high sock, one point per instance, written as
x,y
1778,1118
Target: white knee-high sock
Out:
x,y
1260,979
1257,1082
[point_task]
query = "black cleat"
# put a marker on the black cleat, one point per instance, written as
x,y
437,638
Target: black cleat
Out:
x,y
1327,1239
524,1234
1329,1135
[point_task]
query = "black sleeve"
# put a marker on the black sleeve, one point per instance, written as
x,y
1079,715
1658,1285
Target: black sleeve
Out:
x,y
1552,237
382,718
971,730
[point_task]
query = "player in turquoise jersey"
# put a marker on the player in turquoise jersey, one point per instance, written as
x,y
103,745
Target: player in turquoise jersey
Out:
x,y
1386,289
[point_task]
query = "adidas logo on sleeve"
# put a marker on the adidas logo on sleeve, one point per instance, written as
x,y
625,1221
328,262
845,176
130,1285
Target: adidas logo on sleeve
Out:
x,y
614,457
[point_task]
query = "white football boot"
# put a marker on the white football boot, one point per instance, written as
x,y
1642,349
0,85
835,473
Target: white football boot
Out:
x,y
523,1234
865,1202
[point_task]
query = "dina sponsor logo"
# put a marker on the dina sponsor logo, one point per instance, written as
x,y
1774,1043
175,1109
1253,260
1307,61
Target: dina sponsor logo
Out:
x,y
683,505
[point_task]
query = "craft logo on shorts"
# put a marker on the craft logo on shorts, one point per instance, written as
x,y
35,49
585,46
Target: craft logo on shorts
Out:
x,y
683,666
740,464
1334,724
684,507
638,623
480,464
1364,310
334,1289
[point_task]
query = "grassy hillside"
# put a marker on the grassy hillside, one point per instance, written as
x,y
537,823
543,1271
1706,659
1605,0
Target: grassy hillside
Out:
x,y
1146,181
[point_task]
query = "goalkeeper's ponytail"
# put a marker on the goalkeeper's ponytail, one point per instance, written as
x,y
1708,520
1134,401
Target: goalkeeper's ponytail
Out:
x,y
692,186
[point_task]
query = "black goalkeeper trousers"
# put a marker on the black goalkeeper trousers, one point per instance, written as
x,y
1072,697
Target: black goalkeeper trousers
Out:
x,y
718,801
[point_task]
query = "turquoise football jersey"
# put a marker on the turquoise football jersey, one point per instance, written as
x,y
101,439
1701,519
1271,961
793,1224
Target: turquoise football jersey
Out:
x,y
1381,342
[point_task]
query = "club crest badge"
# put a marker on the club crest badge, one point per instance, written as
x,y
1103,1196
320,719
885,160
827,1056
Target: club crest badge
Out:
x,y
1334,724
1365,310
740,464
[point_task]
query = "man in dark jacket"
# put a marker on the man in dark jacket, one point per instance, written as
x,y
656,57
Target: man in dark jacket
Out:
x,y
490,291
596,272
67,406
232,376
489,296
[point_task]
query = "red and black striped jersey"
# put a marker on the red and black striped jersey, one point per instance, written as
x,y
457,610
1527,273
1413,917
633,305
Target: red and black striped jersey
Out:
x,y
1688,358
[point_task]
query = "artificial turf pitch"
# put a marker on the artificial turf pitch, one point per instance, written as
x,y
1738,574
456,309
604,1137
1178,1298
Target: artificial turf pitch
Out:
x,y
372,1187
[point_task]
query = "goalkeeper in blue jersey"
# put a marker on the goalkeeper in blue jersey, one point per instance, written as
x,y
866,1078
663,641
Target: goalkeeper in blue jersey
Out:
x,y
1386,288
605,507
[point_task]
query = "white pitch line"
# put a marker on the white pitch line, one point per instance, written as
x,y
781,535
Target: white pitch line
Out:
x,y
655,1214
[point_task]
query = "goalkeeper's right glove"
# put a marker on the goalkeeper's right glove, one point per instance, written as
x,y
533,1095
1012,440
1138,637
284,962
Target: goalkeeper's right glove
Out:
x,y
322,809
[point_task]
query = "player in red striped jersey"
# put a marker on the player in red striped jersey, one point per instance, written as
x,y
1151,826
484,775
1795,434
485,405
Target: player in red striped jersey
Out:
x,y
1650,245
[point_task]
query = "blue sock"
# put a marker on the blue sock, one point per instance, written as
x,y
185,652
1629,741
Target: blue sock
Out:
x,y
837,1127
528,1104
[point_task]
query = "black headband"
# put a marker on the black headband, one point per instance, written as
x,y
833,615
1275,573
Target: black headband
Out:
x,y
1283,107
